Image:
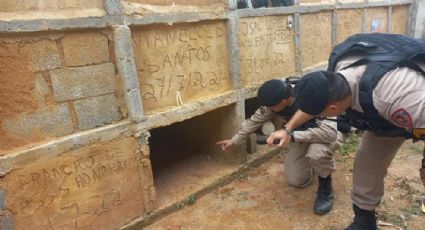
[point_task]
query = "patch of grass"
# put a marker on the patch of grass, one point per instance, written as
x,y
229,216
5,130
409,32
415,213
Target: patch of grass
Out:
x,y
189,201
350,144
405,214
392,218
413,210
405,185
416,148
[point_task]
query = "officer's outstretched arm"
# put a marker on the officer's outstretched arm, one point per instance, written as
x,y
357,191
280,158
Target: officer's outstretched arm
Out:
x,y
297,119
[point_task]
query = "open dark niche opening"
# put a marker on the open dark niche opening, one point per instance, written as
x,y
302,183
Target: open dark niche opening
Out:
x,y
185,158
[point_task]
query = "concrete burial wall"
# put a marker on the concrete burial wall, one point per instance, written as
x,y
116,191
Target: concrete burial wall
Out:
x,y
83,84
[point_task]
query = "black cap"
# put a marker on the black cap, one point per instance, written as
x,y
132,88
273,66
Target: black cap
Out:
x,y
273,91
311,93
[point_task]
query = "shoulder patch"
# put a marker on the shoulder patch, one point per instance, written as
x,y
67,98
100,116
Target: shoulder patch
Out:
x,y
419,133
402,118
263,110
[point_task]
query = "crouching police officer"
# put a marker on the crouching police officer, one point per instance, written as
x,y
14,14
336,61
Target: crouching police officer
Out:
x,y
312,147
381,89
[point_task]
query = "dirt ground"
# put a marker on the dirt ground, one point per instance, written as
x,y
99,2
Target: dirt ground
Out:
x,y
261,199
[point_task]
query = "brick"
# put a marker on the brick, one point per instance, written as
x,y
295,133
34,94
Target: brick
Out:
x,y
42,54
85,49
97,111
82,82
52,121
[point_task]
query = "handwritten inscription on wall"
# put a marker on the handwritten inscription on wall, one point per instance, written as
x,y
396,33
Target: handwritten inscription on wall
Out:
x,y
349,22
316,38
400,16
79,189
267,48
181,63
377,19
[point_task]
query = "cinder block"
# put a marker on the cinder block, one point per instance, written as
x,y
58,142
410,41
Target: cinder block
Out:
x,y
52,121
43,54
97,111
81,82
85,49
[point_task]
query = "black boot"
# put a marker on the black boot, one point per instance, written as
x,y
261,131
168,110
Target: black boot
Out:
x,y
324,197
363,220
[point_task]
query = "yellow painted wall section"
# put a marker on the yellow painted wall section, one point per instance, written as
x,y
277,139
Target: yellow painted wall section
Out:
x,y
81,189
186,61
267,48
316,38
349,22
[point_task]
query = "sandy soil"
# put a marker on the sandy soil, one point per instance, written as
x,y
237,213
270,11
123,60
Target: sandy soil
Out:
x,y
262,200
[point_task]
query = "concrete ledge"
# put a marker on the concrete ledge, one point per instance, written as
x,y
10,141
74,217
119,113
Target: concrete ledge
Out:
x,y
58,24
389,2
19,158
239,171
350,5
115,16
169,18
185,112
283,10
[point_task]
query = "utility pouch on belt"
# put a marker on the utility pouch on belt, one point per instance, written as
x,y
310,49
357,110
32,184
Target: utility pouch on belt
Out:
x,y
422,169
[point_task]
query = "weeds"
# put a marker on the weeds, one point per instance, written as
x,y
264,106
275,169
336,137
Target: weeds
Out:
x,y
416,148
350,144
189,201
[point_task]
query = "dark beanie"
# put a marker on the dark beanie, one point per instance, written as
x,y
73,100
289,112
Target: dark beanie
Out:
x,y
311,93
273,91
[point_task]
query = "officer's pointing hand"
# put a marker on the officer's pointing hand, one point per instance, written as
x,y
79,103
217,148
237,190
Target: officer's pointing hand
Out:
x,y
280,135
225,144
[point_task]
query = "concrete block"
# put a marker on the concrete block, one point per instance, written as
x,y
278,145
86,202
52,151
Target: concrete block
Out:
x,y
113,7
52,121
6,220
97,111
43,54
2,200
81,49
134,105
125,57
81,82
